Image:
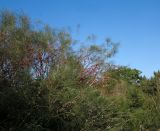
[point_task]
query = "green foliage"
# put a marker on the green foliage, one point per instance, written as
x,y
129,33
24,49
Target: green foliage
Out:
x,y
46,86
132,76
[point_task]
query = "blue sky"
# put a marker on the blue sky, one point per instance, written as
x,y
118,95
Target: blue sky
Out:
x,y
133,23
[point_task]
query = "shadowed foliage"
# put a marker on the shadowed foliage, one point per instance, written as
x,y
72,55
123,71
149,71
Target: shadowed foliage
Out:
x,y
46,84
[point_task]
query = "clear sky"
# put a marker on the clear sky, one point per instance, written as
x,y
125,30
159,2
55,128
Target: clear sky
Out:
x,y
133,23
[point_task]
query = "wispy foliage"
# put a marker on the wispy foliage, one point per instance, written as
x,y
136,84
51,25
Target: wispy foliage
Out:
x,y
46,85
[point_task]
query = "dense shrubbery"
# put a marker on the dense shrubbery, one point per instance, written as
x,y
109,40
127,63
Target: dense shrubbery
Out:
x,y
45,85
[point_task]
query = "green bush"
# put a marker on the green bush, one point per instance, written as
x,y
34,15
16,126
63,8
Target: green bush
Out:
x,y
45,86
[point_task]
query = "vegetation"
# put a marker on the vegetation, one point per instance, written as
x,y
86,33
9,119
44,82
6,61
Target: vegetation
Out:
x,y
46,85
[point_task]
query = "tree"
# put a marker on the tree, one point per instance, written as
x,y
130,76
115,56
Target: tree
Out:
x,y
95,60
46,84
